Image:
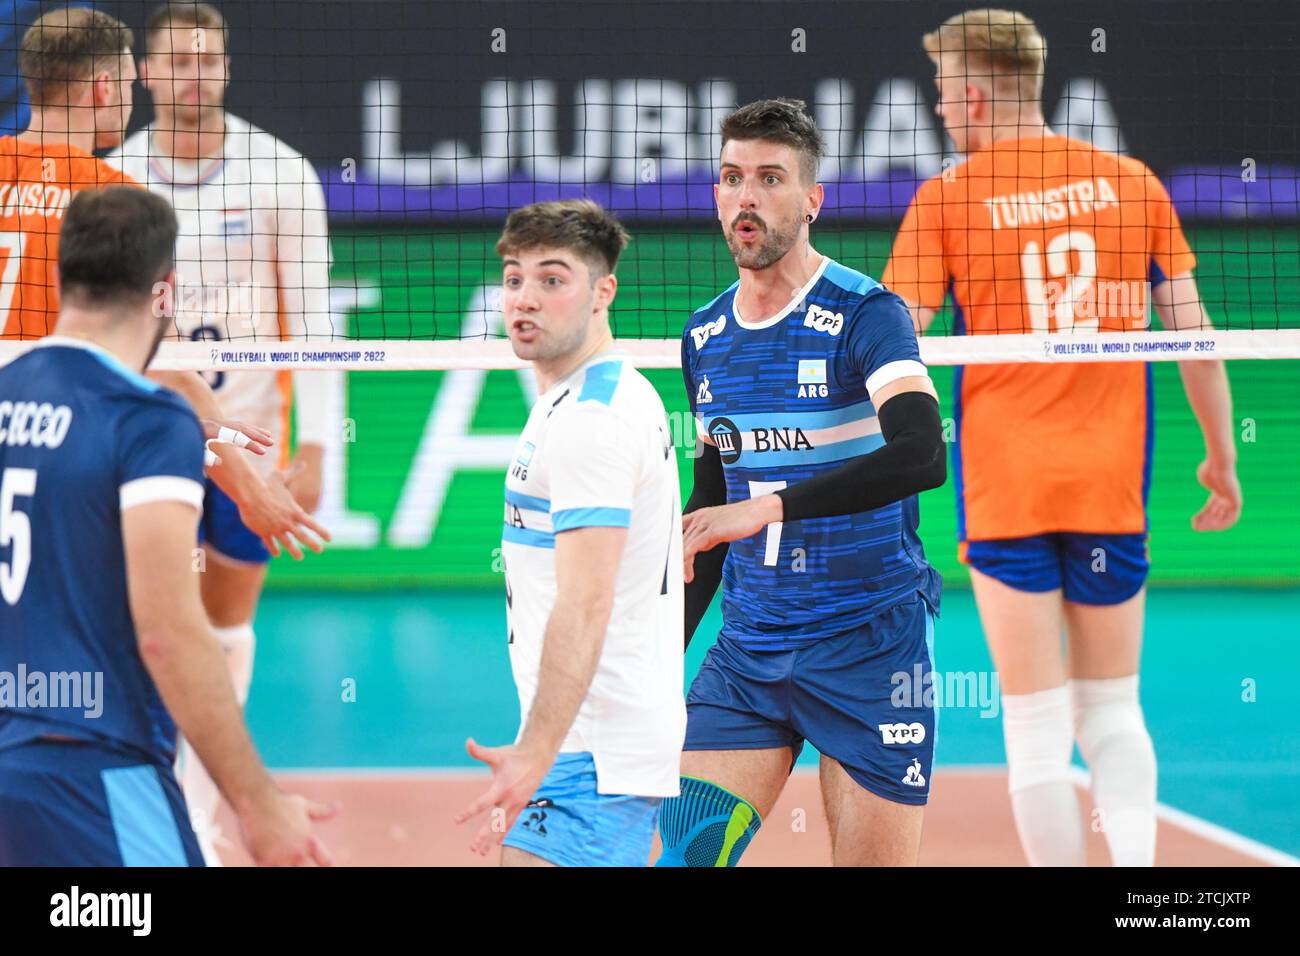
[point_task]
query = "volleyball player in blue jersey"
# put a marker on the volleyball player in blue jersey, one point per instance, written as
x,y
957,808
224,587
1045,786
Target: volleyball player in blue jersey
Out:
x,y
819,426
105,648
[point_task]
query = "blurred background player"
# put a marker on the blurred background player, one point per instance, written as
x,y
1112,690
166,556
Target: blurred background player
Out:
x,y
77,66
101,475
252,262
592,548
1053,462
819,427
78,70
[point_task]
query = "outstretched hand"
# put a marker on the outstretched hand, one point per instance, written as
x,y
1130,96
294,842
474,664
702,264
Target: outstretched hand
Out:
x,y
517,772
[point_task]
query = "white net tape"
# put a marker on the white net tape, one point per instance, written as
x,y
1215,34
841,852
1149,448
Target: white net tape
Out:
x,y
379,355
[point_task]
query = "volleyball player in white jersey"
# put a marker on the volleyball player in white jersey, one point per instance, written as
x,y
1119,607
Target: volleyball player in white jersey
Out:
x,y
593,554
252,264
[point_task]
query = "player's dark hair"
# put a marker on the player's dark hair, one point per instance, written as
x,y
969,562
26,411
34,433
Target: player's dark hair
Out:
x,y
115,246
592,233
185,14
67,45
781,121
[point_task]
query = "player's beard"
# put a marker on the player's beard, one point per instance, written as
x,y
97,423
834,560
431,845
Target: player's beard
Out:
x,y
555,347
776,243
193,116
186,115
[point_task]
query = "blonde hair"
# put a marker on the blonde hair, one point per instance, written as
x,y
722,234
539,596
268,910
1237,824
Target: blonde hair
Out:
x,y
994,43
70,45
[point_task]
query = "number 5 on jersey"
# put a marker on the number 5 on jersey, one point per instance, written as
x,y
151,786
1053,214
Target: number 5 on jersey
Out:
x,y
15,532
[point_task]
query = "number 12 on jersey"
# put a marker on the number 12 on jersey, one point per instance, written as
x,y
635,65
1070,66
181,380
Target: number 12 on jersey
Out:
x,y
1061,296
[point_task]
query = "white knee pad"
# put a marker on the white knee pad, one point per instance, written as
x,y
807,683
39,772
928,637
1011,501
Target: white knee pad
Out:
x,y
1105,708
1039,737
1114,740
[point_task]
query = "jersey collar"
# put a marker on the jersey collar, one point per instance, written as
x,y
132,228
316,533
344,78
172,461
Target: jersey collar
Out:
x,y
797,300
72,342
104,355
609,355
164,167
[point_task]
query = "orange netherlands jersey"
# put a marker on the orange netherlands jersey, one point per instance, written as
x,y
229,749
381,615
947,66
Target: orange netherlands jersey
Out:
x,y
1045,234
36,184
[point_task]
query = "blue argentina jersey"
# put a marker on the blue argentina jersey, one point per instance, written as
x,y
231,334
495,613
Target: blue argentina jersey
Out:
x,y
784,400
82,439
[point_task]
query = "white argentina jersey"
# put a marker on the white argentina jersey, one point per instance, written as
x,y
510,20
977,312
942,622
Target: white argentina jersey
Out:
x,y
252,261
596,452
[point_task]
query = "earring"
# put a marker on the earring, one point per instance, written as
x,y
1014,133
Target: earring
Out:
x,y
809,217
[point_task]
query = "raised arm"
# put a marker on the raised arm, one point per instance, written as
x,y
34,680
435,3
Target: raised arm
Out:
x,y
266,507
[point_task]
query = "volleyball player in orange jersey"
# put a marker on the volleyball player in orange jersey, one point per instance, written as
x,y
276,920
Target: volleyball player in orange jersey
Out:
x,y
78,69
1036,232
81,101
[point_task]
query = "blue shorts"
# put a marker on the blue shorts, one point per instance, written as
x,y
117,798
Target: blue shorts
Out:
x,y
859,698
79,804
1097,569
222,528
569,824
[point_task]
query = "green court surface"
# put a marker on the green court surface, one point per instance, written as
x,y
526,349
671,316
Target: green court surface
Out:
x,y
427,669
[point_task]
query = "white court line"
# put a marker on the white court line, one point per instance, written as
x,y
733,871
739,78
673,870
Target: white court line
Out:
x,y
1194,824
1207,830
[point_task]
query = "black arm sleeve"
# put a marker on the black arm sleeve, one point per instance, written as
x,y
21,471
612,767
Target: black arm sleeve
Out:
x,y
912,460
710,489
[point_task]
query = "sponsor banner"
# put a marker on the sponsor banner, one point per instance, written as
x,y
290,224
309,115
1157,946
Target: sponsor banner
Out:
x,y
462,110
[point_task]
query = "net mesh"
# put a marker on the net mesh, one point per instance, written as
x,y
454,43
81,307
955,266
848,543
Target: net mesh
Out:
x,y
424,125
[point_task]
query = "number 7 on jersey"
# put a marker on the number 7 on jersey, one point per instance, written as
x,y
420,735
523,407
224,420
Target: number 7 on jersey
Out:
x,y
772,547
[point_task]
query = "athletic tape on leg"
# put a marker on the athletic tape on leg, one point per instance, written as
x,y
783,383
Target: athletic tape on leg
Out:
x,y
705,826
